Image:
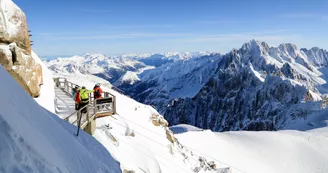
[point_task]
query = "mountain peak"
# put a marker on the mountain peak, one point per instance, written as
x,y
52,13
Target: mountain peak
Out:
x,y
288,46
256,45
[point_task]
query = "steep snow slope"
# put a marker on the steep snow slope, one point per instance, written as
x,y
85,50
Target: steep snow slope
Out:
x,y
47,93
317,56
35,140
258,152
138,137
314,122
129,78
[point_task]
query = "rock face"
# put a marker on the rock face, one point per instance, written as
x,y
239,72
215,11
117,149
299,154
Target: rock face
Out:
x,y
15,48
254,88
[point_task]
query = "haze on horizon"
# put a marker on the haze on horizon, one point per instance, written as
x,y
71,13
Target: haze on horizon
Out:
x,y
116,27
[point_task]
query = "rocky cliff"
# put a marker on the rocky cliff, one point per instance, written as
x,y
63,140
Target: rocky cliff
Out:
x,y
15,48
256,87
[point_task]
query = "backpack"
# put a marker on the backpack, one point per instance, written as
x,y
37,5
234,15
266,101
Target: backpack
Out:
x,y
97,94
77,97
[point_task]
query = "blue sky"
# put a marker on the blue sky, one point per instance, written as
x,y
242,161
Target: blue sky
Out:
x,y
113,27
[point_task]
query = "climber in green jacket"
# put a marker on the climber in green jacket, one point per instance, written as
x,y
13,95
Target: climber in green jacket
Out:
x,y
84,95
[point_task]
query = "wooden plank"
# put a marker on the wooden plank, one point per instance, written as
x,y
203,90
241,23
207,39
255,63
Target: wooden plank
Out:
x,y
104,114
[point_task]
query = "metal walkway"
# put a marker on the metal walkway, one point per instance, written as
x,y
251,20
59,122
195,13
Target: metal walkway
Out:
x,y
84,117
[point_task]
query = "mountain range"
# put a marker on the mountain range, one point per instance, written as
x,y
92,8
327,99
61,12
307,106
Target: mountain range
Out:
x,y
256,87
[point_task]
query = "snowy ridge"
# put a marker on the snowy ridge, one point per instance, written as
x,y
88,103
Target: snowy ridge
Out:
x,y
181,79
178,81
112,68
167,55
317,56
129,78
109,68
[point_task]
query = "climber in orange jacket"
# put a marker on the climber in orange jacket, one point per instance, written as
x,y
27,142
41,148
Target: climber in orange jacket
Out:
x,y
97,91
77,98
98,95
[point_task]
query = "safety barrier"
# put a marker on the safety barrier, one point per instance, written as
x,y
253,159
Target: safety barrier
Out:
x,y
85,117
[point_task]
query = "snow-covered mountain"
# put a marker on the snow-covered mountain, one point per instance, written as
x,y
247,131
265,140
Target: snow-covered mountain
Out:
x,y
129,78
109,68
317,56
256,87
181,79
160,59
137,138
114,68
274,83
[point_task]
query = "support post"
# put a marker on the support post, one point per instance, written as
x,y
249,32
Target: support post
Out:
x,y
114,104
95,107
88,113
79,115
57,82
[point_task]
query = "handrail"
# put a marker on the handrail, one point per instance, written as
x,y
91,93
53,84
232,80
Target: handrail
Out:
x,y
67,87
67,117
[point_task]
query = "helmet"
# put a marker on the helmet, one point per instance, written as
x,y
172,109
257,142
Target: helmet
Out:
x,y
83,87
76,86
97,84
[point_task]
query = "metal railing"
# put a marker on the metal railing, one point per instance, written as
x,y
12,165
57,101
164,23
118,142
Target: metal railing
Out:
x,y
83,116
